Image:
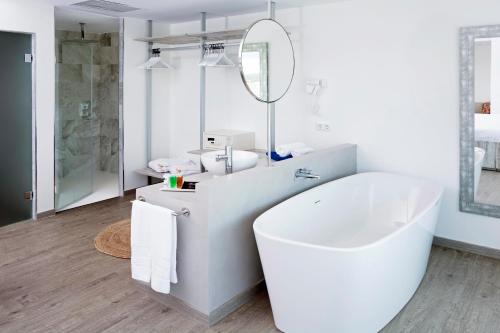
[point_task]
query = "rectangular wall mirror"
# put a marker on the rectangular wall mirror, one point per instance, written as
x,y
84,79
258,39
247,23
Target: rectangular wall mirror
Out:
x,y
480,120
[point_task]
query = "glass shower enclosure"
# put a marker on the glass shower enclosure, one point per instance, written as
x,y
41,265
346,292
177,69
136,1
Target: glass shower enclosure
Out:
x,y
75,137
86,117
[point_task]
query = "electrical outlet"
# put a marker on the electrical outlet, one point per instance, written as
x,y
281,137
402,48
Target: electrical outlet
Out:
x,y
323,126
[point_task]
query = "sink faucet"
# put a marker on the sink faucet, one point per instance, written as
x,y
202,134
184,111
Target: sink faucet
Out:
x,y
228,158
306,173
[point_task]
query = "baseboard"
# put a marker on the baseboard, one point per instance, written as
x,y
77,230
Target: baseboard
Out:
x,y
216,315
129,192
466,247
174,303
48,213
52,212
234,303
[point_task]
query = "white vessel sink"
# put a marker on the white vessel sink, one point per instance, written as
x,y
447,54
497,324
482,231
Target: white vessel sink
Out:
x,y
241,160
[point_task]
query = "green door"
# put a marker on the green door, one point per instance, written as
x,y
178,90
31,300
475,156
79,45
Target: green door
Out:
x,y
15,127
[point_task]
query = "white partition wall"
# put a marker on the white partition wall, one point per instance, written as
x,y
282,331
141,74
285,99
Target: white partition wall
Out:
x,y
134,103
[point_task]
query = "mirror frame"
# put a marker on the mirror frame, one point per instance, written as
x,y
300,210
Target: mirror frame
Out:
x,y
468,35
240,61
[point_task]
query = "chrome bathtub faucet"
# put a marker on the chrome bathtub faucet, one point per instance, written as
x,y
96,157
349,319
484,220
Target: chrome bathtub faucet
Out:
x,y
228,158
306,173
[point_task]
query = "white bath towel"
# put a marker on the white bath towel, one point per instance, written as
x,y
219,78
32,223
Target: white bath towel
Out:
x,y
302,151
154,245
140,243
186,169
164,164
288,149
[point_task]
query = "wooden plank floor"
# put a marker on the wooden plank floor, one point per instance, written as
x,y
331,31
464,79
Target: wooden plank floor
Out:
x,y
53,280
489,188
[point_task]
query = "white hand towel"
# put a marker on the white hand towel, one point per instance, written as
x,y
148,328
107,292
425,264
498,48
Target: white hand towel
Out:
x,y
286,149
163,164
163,257
154,245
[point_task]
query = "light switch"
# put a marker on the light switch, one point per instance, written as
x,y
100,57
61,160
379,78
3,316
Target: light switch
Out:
x,y
323,126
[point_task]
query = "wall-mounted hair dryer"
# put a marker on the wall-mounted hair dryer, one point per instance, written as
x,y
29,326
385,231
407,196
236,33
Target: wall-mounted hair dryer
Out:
x,y
313,88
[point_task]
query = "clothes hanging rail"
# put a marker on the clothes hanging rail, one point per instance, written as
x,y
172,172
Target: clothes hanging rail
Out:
x,y
197,46
193,38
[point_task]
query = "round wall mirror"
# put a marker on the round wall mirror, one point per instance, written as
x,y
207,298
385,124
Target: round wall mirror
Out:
x,y
267,61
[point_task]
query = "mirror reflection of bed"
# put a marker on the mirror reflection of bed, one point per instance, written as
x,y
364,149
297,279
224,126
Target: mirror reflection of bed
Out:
x,y
487,121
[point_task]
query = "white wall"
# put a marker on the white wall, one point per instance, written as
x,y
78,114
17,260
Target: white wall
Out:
x,y
38,18
482,72
392,69
134,103
495,76
393,90
160,101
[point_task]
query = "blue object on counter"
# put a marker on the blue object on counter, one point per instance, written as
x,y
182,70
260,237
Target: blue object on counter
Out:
x,y
277,158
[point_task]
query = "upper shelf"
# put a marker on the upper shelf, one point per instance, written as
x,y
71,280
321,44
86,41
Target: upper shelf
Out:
x,y
195,37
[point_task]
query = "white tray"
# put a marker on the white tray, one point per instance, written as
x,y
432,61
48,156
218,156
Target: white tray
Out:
x,y
168,189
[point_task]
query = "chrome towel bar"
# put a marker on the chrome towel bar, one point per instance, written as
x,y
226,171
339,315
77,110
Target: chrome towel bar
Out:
x,y
183,212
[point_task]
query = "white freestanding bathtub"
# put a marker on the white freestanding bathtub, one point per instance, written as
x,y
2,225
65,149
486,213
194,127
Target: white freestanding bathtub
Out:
x,y
346,256
479,155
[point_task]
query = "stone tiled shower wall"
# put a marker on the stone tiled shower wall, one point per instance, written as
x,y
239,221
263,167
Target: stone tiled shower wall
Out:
x,y
92,139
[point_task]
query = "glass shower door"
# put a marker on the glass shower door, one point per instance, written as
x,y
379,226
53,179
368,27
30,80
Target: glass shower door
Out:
x,y
75,132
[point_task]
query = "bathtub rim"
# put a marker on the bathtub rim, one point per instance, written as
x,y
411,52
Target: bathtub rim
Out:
x,y
436,201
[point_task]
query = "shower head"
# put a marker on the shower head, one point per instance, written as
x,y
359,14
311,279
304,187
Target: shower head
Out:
x,y
82,30
82,39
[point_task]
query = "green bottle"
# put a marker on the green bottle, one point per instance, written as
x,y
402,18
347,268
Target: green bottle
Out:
x,y
173,181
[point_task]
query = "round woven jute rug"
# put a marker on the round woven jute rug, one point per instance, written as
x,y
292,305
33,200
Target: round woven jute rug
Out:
x,y
115,240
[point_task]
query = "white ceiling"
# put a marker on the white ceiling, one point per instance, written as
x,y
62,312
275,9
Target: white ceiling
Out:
x,y
186,10
68,19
